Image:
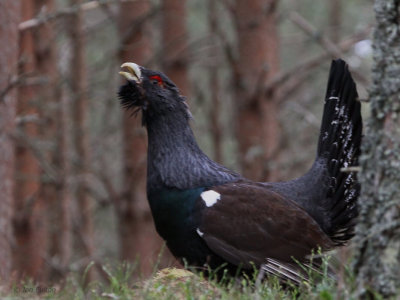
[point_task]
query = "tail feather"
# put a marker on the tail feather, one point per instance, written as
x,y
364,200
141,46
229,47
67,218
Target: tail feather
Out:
x,y
339,146
327,193
296,272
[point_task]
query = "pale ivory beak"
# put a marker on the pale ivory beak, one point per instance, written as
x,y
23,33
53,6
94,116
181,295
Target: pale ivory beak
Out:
x,y
133,73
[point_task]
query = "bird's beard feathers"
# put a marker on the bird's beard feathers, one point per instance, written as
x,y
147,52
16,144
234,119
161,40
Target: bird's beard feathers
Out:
x,y
133,100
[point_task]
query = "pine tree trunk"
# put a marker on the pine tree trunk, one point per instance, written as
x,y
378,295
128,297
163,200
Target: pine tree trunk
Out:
x,y
53,188
138,238
378,235
9,19
335,12
79,87
174,43
63,238
257,127
29,206
215,107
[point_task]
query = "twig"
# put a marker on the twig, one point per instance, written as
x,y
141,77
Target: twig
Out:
x,y
350,169
229,6
24,119
308,28
49,170
321,39
228,48
306,113
27,79
307,66
113,195
43,18
136,26
13,82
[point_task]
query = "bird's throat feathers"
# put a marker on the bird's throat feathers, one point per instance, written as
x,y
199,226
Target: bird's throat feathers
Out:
x,y
169,114
175,159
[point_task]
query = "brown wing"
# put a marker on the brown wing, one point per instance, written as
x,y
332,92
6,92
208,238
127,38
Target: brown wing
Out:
x,y
249,223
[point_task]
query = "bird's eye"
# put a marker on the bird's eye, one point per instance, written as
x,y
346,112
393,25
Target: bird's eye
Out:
x,y
155,79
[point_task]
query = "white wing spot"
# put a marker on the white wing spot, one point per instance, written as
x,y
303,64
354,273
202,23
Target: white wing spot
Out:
x,y
199,232
333,98
210,197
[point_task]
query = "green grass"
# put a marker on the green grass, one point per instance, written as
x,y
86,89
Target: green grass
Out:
x,y
173,283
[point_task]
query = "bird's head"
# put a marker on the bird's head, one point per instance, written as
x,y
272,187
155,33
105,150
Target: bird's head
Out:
x,y
151,92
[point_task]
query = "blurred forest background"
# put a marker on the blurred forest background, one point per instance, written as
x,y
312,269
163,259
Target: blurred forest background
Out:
x,y
73,163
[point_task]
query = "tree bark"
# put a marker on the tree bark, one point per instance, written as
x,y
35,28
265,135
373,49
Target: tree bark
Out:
x,y
174,43
138,238
213,73
335,12
28,220
378,234
9,19
53,188
257,127
79,87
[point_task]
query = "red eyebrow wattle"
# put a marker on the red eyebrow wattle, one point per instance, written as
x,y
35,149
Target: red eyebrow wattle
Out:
x,y
156,77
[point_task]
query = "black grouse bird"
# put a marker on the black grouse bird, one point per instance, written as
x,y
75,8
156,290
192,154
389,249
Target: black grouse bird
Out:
x,y
210,215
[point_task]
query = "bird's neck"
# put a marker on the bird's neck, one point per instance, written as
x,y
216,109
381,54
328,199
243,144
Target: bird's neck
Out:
x,y
175,159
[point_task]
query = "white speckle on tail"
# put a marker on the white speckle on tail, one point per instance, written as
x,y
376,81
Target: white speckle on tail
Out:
x,y
325,136
199,232
210,197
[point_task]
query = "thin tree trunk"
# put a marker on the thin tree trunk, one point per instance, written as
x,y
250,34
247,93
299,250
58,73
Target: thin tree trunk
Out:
x,y
79,86
378,234
257,130
335,12
138,238
53,188
29,228
63,238
215,112
9,18
174,43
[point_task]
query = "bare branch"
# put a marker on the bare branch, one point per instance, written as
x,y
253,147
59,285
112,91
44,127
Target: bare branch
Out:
x,y
87,6
321,39
305,67
136,26
50,172
319,36
25,79
13,82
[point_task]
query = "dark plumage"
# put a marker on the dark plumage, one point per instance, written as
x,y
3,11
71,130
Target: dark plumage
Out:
x,y
211,215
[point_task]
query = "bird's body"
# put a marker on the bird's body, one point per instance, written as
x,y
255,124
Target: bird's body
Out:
x,y
210,215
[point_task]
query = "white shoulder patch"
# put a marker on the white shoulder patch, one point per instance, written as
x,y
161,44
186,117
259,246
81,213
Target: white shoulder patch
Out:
x,y
210,197
199,232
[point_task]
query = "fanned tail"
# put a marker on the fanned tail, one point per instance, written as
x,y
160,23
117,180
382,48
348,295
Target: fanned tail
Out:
x,y
339,148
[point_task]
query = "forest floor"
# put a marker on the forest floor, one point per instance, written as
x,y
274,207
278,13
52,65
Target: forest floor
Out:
x,y
175,284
